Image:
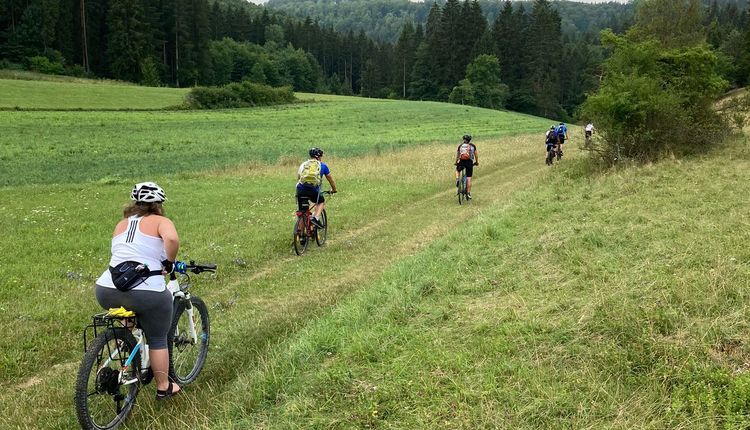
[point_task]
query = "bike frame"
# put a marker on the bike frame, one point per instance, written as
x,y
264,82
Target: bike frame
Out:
x,y
309,231
306,215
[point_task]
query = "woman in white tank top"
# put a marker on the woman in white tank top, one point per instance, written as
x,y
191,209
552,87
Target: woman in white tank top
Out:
x,y
146,236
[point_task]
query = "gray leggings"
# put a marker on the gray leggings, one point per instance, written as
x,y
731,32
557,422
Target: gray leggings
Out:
x,y
154,310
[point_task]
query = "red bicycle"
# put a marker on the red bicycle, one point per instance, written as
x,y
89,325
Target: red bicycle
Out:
x,y
305,231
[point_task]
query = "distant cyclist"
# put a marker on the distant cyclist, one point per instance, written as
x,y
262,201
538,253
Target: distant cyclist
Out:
x,y
309,179
589,130
562,136
467,157
551,143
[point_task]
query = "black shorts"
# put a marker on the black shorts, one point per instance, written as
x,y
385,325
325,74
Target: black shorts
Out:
x,y
588,134
466,164
308,193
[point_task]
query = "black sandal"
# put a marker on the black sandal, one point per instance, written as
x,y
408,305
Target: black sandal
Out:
x,y
165,394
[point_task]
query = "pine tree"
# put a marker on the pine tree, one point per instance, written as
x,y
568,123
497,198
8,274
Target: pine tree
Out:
x,y
127,39
448,52
545,59
405,57
475,26
422,85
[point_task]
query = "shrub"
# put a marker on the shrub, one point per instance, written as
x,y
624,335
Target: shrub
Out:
x,y
654,101
44,65
150,72
238,94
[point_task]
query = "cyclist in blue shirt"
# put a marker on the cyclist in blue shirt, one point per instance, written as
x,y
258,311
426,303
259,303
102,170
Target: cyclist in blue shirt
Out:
x,y
309,179
562,136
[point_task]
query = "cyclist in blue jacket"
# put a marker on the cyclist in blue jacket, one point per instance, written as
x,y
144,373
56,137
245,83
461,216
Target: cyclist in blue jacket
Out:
x,y
562,136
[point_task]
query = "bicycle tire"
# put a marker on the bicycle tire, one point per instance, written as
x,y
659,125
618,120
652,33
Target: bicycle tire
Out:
x,y
105,383
321,234
461,189
185,358
299,240
550,157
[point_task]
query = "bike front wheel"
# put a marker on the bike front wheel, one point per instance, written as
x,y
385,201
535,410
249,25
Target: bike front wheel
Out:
x,y
105,394
188,341
299,240
321,234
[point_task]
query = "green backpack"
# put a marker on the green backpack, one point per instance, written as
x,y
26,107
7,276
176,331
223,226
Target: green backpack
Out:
x,y
309,172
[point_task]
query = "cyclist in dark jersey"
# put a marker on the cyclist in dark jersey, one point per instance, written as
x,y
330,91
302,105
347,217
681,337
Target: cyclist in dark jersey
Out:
x,y
467,157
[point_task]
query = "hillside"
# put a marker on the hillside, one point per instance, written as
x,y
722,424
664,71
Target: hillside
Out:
x,y
383,20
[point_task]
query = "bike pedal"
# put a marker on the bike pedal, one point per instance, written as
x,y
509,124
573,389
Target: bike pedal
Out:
x,y
129,381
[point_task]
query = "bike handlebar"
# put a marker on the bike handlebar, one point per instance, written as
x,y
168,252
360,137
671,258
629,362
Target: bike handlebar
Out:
x,y
200,268
182,268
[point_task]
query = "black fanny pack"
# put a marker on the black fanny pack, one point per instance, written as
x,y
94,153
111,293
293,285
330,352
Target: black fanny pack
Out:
x,y
130,274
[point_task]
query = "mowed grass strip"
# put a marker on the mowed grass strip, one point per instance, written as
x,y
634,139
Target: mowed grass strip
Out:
x,y
121,147
614,302
391,205
32,94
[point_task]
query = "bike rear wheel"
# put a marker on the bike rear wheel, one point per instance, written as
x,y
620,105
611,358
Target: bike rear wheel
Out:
x,y
187,354
461,189
321,234
300,239
102,402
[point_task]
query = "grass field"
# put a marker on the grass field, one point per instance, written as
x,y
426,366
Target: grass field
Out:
x,y
556,299
26,94
76,147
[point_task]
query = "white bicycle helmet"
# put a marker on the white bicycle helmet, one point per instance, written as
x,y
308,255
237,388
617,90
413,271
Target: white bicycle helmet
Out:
x,y
148,192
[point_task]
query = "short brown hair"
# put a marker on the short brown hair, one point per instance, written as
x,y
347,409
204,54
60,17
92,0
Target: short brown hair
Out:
x,y
142,209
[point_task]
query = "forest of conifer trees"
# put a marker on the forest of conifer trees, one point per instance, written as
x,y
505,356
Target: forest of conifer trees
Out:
x,y
548,53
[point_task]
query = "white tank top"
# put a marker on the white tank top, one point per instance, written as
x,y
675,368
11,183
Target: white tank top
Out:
x,y
133,245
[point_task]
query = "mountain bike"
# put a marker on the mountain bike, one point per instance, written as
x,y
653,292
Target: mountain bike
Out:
x,y
305,231
116,361
551,152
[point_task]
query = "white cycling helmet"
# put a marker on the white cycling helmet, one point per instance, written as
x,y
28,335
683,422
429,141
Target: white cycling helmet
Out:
x,y
148,192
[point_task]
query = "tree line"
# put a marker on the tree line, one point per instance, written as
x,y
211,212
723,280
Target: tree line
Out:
x,y
382,20
523,59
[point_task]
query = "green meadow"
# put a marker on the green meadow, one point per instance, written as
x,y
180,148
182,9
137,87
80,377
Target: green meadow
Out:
x,y
557,298
85,95
79,147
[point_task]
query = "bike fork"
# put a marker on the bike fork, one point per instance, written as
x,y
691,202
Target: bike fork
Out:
x,y
191,323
